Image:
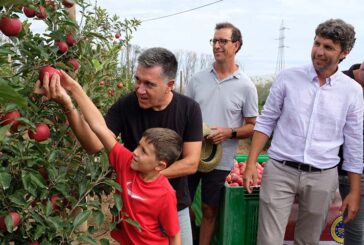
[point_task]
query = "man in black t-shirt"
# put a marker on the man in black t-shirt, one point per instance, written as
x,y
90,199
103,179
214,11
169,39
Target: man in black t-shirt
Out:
x,y
354,230
152,104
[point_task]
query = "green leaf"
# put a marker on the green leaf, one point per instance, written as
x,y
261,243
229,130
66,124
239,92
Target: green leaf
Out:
x,y
9,95
112,183
49,208
104,241
82,187
133,223
11,2
37,179
88,239
9,223
81,217
118,201
3,131
18,198
99,217
97,65
5,179
55,222
39,231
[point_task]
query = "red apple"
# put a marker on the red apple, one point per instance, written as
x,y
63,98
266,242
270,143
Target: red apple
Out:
x,y
41,13
62,46
55,200
15,218
240,181
117,35
102,83
234,177
70,40
11,27
51,71
111,92
73,63
9,118
68,3
120,85
43,171
30,13
228,178
42,132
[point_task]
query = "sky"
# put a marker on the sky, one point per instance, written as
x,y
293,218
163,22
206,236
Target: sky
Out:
x,y
259,22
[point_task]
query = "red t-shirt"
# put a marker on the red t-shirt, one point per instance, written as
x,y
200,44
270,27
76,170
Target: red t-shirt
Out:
x,y
151,204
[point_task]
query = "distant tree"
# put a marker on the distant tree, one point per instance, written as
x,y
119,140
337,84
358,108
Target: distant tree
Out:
x,y
263,85
128,59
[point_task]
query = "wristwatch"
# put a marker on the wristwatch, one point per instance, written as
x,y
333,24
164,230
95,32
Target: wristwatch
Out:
x,y
233,133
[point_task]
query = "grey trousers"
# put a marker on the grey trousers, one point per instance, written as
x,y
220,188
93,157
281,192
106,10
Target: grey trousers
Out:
x,y
315,192
354,230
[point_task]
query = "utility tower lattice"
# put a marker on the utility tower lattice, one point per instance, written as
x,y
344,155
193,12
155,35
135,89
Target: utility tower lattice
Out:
x,y
281,46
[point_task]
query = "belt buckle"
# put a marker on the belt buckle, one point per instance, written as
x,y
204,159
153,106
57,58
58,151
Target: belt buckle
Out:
x,y
299,166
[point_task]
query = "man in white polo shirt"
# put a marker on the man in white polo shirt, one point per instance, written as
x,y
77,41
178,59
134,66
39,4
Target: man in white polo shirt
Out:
x,y
229,105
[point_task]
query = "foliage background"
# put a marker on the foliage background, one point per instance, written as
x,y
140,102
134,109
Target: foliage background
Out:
x,y
33,173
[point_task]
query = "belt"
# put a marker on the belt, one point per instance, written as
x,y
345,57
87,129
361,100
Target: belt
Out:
x,y
302,166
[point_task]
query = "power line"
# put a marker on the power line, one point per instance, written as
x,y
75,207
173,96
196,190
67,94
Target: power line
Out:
x,y
181,12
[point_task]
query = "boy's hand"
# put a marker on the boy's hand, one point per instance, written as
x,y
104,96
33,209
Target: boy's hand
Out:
x,y
52,89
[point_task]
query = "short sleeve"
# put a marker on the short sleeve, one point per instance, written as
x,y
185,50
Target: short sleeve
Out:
x,y
119,156
168,216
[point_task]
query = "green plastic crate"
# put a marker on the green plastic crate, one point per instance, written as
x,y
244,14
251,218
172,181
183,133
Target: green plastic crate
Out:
x,y
244,157
196,204
238,217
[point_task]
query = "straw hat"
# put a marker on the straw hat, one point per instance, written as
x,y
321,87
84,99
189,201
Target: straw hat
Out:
x,y
210,153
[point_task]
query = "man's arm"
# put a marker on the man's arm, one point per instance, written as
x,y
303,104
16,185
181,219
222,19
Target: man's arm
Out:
x,y
351,202
250,174
176,239
219,134
189,162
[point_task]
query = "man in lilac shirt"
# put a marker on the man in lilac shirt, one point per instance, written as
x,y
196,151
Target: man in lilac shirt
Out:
x,y
312,110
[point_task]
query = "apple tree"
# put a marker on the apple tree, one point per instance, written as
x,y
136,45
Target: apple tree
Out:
x,y
49,186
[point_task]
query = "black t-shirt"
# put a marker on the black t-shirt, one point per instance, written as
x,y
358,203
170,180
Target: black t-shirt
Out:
x,y
183,115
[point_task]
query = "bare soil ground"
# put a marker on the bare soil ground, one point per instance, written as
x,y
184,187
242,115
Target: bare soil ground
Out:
x,y
107,201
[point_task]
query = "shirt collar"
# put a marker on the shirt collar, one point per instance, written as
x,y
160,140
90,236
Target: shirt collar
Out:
x,y
237,74
330,80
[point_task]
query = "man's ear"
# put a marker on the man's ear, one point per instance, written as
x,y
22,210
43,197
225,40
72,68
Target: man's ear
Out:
x,y
344,54
237,45
161,165
171,83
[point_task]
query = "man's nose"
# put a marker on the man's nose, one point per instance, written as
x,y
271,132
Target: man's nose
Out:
x,y
140,89
320,50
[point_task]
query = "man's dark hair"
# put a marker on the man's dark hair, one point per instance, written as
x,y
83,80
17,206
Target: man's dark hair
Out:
x,y
236,34
160,57
167,143
339,32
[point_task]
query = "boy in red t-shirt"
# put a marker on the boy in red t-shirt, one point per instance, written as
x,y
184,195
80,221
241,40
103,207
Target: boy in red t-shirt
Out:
x,y
147,196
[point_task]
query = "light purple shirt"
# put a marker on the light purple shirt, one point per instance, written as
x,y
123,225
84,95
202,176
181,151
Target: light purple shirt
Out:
x,y
311,122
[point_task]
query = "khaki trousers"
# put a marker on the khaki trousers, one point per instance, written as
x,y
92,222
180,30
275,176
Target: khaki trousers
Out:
x,y
281,184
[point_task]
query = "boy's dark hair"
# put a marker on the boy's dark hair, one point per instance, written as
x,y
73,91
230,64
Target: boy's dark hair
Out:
x,y
160,57
236,34
339,32
167,143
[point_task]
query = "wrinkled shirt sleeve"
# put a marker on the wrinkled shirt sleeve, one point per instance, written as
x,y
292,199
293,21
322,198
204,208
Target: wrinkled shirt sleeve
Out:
x,y
353,142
